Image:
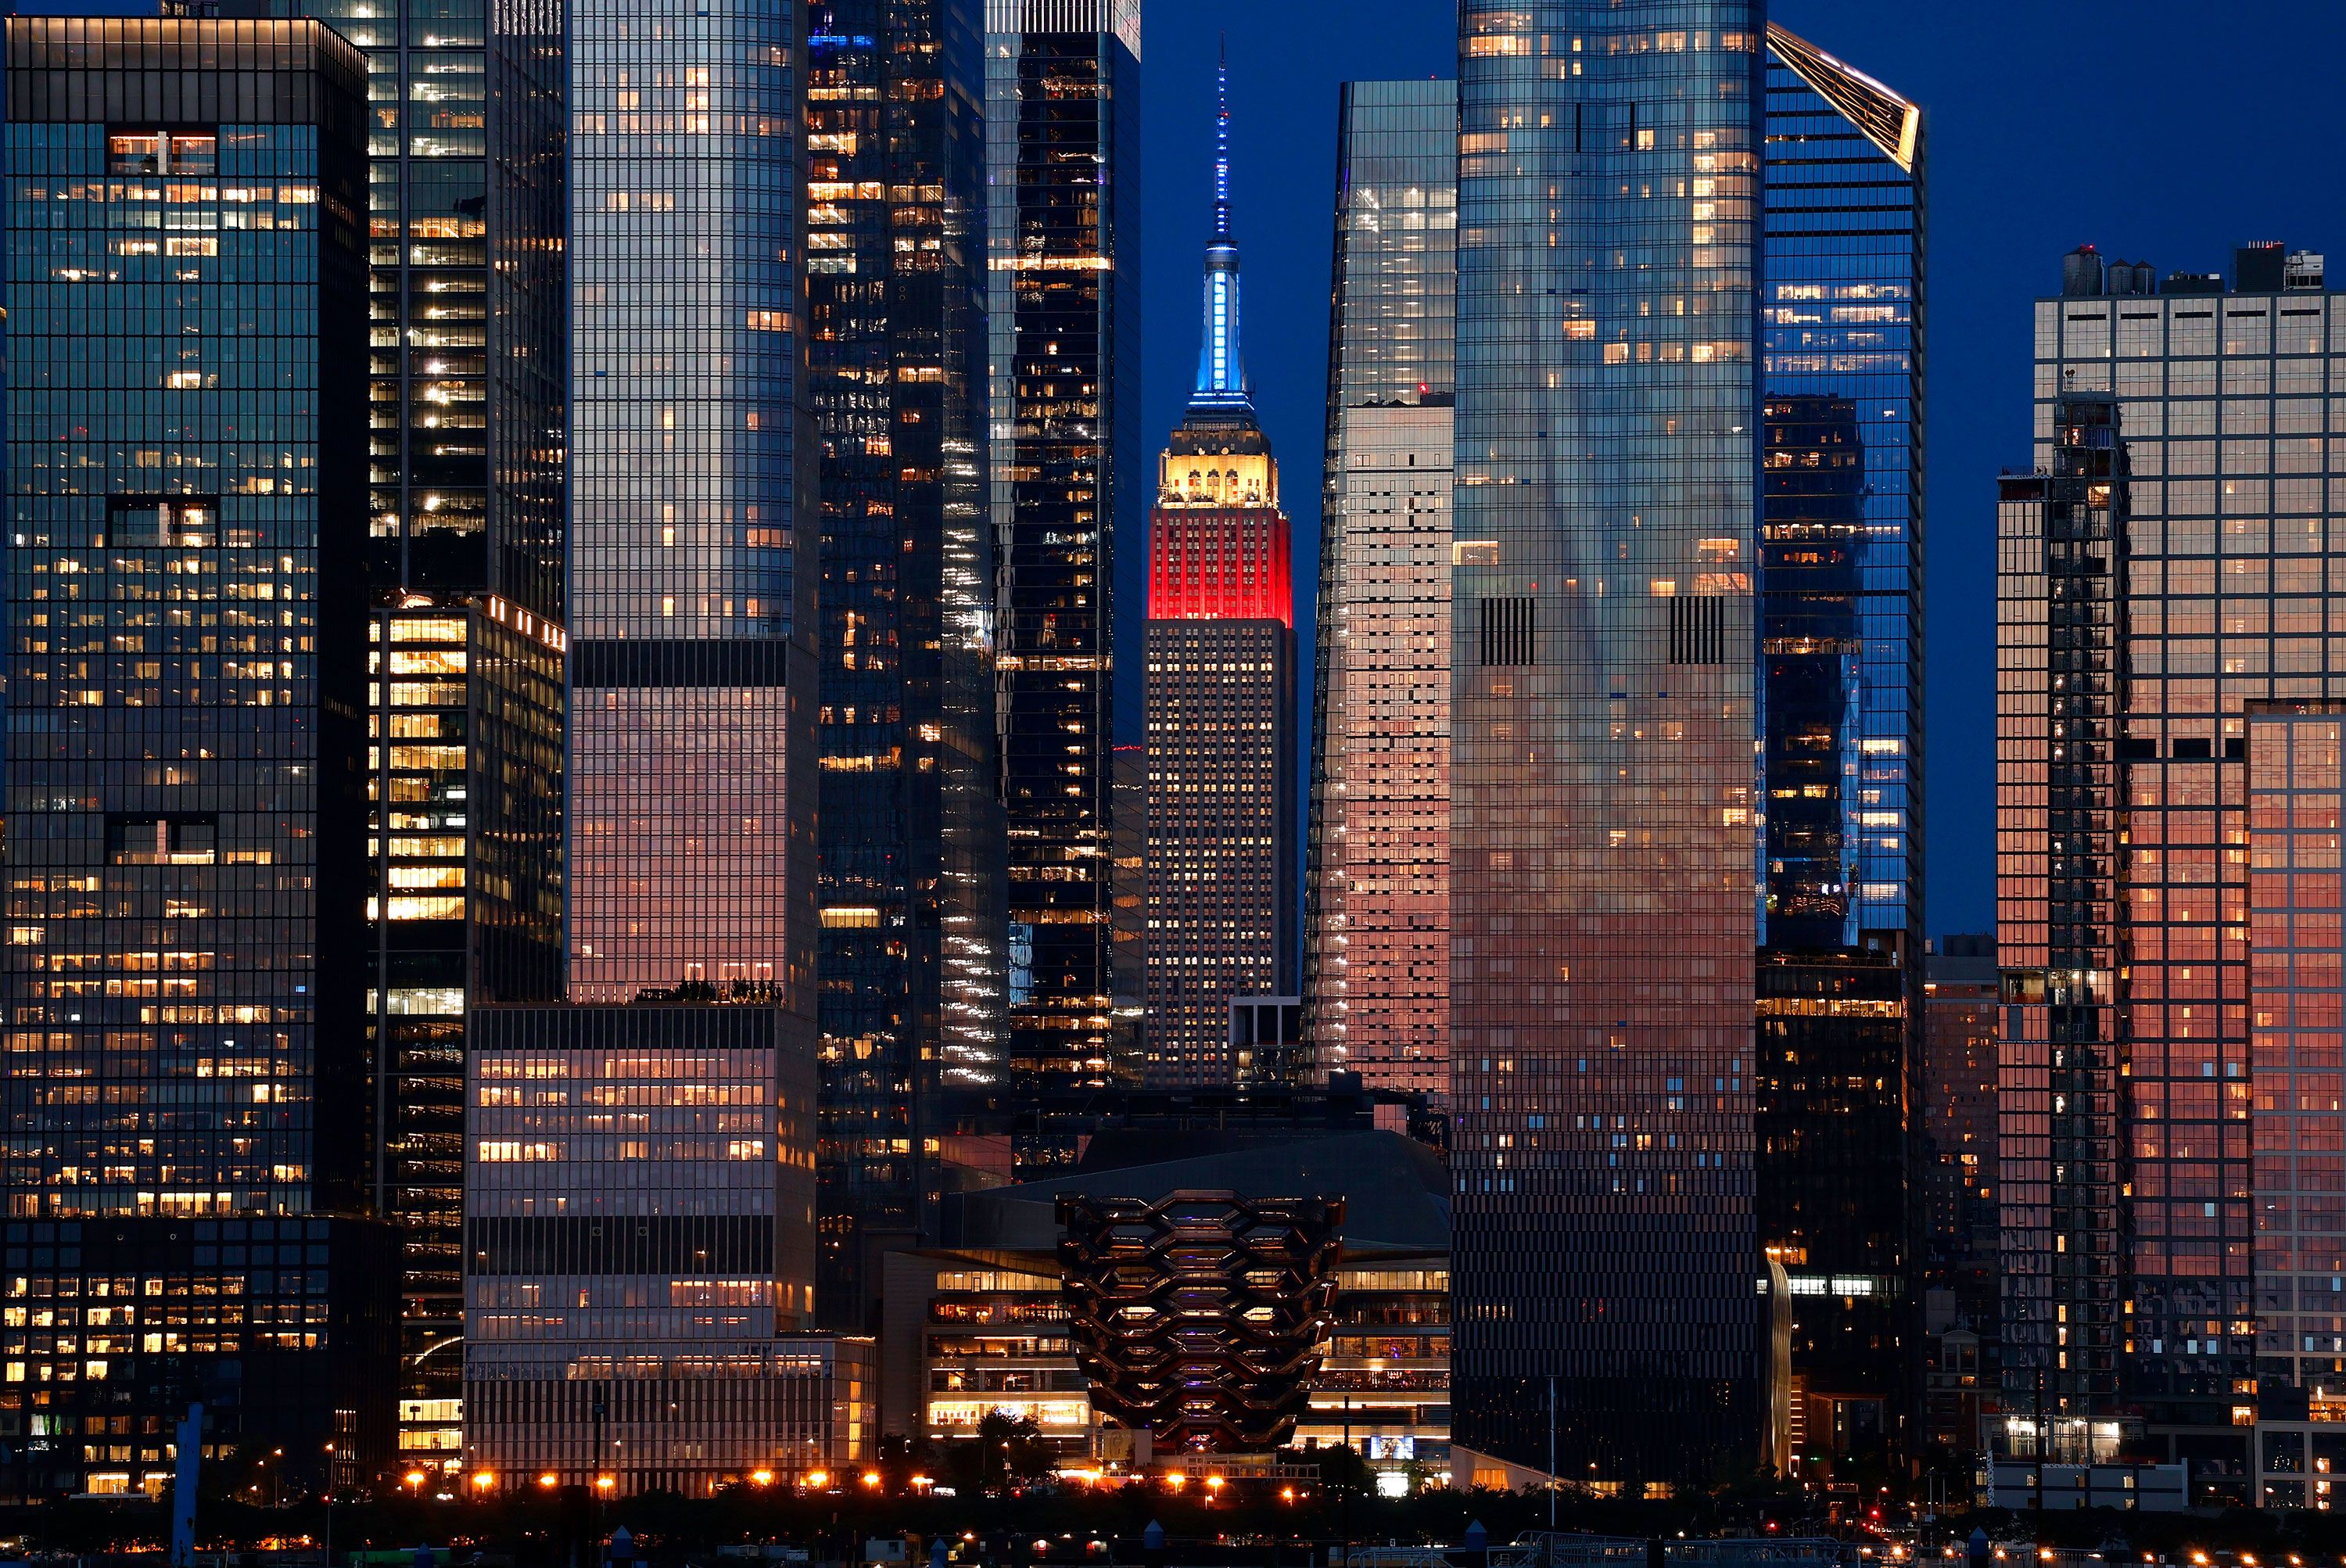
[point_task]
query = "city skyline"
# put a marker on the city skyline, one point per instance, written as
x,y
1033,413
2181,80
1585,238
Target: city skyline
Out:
x,y
622,973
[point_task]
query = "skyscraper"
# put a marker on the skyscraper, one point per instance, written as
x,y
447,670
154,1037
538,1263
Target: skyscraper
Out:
x,y
1220,649
1839,668
912,922
1376,959
186,823
1603,734
2062,651
1063,104
467,303
691,574
2229,590
2294,804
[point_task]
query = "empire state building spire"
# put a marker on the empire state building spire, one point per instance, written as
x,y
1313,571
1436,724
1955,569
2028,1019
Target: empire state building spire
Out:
x,y
1222,389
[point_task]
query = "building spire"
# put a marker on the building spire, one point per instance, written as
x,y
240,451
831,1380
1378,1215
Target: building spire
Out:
x,y
1223,146
1222,389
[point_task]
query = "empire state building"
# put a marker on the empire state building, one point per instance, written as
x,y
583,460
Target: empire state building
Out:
x,y
1220,702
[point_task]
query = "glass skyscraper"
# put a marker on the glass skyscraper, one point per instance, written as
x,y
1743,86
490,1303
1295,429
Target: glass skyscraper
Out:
x,y
1063,107
1604,830
690,587
1220,703
1376,954
1839,1024
466,305
912,962
186,820
2221,398
1843,346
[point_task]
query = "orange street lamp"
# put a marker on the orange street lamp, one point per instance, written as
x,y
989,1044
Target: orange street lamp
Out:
x,y
604,1483
761,1477
549,1481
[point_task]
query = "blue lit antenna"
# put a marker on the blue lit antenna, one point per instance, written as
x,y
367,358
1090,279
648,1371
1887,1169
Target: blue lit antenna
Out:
x,y
1221,388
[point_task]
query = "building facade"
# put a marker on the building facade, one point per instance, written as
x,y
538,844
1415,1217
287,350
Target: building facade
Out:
x,y
2218,388
691,581
1604,833
1221,704
188,1103
1063,157
911,942
2062,539
1376,942
1840,557
1962,1015
2293,799
639,1250
467,306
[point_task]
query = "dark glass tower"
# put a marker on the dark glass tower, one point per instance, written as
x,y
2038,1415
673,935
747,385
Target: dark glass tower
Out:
x,y
1062,84
1602,735
464,493
2061,930
186,820
1838,1027
913,921
1220,652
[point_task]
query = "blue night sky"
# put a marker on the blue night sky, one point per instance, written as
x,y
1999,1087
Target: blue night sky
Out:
x,y
2156,130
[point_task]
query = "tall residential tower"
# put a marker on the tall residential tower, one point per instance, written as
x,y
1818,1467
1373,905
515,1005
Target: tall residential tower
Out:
x,y
1376,956
913,921
1219,685
1063,109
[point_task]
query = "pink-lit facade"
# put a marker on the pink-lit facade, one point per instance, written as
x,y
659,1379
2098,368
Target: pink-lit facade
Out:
x,y
2226,389
1377,915
2298,1126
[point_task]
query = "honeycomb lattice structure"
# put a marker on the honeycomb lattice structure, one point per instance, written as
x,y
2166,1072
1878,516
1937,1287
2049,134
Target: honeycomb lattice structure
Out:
x,y
1201,1316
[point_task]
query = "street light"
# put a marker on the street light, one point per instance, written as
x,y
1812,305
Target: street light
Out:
x,y
414,1479
761,1477
549,1481
483,1479
604,1483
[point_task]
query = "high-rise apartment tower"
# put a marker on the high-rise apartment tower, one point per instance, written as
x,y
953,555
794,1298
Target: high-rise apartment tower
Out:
x,y
1062,110
1376,953
912,922
2212,394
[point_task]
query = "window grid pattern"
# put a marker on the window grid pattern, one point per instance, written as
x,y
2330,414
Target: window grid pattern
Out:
x,y
2061,823
1062,124
2297,1129
1376,926
623,1316
1603,844
2230,405
689,596
912,928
